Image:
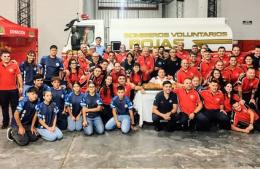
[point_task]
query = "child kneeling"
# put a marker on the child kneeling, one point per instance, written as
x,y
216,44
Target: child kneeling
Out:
x,y
47,115
123,116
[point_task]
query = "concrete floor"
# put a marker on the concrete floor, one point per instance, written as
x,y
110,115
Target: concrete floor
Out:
x,y
143,149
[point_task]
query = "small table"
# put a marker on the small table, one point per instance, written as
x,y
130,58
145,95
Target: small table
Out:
x,y
143,103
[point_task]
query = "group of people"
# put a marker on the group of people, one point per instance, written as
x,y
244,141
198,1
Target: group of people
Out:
x,y
92,89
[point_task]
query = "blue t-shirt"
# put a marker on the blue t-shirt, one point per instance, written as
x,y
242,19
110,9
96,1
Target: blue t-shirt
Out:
x,y
51,67
28,71
73,101
100,50
58,96
122,106
26,110
47,113
91,102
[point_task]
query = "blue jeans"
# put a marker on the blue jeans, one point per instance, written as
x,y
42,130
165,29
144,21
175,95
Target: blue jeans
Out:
x,y
49,136
125,123
95,123
74,125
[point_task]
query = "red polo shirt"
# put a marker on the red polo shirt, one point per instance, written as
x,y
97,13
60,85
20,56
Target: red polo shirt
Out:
x,y
128,89
241,57
225,59
84,64
212,101
234,73
73,77
181,74
227,104
115,75
226,75
85,79
8,76
137,79
121,57
183,54
106,98
206,68
248,85
188,101
243,116
146,62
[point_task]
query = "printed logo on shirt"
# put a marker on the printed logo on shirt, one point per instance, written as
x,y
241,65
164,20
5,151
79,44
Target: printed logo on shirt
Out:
x,y
251,84
57,64
170,101
11,70
217,99
126,105
35,68
192,96
62,96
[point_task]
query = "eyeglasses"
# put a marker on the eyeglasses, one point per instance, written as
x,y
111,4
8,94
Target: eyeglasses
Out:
x,y
73,63
91,87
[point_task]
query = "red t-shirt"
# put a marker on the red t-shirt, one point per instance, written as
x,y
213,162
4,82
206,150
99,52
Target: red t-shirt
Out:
x,y
225,59
8,76
249,84
188,101
234,73
121,57
206,68
73,77
115,75
136,78
84,64
227,105
181,74
212,101
85,79
106,98
243,116
128,89
183,54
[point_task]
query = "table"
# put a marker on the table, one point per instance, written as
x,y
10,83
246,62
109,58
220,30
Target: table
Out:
x,y
143,103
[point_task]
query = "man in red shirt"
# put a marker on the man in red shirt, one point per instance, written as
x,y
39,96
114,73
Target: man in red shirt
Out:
x,y
186,72
240,56
206,65
234,70
181,53
147,63
248,86
214,107
116,72
225,74
121,56
188,96
221,55
10,76
245,120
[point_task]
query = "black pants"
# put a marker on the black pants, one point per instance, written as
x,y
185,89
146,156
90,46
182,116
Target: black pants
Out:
x,y
184,123
170,125
62,122
106,114
23,140
209,117
247,98
8,97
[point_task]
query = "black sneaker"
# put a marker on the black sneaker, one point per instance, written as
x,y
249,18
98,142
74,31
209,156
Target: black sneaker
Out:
x,y
4,127
9,134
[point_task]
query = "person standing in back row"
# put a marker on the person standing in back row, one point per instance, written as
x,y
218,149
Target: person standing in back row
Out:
x,y
51,66
10,76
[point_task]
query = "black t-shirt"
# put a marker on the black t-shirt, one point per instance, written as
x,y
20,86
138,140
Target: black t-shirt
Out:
x,y
165,105
171,67
256,62
159,63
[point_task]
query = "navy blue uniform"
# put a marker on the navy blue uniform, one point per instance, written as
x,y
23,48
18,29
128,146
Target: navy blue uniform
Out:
x,y
51,67
58,96
28,71
122,106
26,110
42,89
47,113
91,102
73,101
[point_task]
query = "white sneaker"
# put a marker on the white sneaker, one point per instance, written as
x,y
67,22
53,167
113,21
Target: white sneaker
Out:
x,y
9,134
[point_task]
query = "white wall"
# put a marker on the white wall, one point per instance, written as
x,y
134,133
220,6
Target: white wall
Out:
x,y
171,11
238,10
8,9
50,18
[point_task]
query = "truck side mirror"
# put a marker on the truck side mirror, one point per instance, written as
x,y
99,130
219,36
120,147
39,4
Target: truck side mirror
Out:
x,y
75,39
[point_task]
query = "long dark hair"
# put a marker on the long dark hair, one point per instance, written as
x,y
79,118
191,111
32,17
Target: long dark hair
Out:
x,y
225,93
77,68
110,87
140,73
219,80
30,52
